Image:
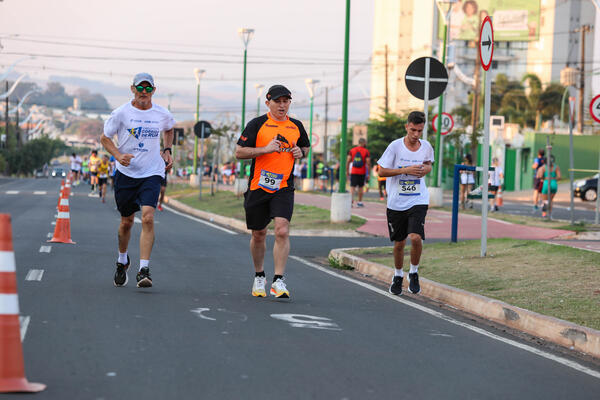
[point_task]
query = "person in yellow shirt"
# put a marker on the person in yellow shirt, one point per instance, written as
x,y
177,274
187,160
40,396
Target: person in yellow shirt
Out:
x,y
103,168
94,162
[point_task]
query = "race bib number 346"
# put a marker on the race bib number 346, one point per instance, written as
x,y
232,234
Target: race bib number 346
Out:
x,y
270,180
409,187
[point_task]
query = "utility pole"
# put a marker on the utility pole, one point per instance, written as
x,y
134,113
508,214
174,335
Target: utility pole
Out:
x,y
6,130
387,98
583,30
326,120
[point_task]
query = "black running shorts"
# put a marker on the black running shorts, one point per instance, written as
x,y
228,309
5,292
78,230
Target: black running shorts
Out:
x,y
401,223
132,193
261,207
357,180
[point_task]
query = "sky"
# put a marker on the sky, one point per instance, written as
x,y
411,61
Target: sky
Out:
x,y
100,45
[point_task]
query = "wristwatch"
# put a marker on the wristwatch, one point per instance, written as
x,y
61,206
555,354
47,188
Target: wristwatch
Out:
x,y
168,148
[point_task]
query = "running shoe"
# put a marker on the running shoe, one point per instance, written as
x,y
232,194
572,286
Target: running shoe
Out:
x,y
360,204
159,208
258,289
396,286
120,278
143,278
279,290
413,283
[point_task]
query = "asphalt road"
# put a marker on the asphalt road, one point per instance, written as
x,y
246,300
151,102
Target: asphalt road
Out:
x,y
199,334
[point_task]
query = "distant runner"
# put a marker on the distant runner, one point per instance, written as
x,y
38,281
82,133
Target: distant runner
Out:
x,y
76,167
140,169
405,162
273,141
360,160
103,170
94,162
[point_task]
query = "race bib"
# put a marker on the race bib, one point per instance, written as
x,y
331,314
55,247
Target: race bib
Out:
x,y
410,187
270,180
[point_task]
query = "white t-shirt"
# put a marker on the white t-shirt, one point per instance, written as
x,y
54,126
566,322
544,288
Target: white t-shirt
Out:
x,y
76,163
495,176
405,191
138,133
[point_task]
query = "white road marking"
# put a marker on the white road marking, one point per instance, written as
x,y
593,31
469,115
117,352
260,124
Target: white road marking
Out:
x,y
45,249
137,220
307,321
34,275
199,311
12,192
24,322
568,363
40,192
200,220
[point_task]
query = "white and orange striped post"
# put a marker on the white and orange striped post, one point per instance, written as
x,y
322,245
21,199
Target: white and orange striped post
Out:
x,y
62,230
12,365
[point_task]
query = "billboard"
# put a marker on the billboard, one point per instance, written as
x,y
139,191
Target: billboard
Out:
x,y
513,20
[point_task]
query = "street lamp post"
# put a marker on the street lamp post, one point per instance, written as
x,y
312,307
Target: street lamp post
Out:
x,y
245,34
198,74
310,85
259,90
437,172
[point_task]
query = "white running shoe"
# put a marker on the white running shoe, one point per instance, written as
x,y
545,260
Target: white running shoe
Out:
x,y
279,290
258,289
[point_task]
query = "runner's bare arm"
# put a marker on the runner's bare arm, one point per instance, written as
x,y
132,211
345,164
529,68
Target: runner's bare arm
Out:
x,y
123,159
416,170
246,153
168,142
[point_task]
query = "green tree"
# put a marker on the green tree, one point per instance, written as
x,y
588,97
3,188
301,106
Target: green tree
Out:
x,y
33,155
381,132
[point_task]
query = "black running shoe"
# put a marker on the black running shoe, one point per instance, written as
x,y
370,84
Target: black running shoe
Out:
x,y
143,278
120,278
396,287
413,283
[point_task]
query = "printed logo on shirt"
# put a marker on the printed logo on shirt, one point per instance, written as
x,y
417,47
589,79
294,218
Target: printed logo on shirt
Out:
x,y
244,138
141,145
144,133
135,132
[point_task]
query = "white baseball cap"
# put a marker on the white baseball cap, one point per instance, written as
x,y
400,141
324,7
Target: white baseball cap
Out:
x,y
143,77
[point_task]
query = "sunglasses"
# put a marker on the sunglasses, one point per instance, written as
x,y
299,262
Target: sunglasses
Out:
x,y
141,88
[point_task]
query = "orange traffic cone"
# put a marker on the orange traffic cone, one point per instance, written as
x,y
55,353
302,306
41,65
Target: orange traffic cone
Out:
x,y
62,230
60,194
12,366
499,200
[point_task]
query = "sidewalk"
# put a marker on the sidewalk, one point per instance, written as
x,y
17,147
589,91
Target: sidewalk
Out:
x,y
438,224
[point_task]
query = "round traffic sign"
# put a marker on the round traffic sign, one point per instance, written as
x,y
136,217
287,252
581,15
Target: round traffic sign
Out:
x,y
595,108
447,123
415,77
486,43
202,129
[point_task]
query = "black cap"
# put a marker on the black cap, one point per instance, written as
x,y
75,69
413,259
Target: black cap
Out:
x,y
277,91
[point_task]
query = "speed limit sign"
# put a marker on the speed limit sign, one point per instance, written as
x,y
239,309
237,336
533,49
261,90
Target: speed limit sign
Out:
x,y
595,108
447,123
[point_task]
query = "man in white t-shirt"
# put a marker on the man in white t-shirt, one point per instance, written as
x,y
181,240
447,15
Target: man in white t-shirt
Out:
x,y
75,167
404,163
140,169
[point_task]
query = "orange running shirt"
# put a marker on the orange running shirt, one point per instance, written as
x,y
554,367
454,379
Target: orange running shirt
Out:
x,y
271,172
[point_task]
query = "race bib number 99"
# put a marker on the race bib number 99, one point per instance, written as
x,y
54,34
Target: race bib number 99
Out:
x,y
409,187
270,180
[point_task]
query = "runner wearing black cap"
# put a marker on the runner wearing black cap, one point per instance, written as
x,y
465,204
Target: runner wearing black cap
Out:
x,y
273,142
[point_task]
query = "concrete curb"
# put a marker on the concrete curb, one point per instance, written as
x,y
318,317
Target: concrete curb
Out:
x,y
240,226
564,333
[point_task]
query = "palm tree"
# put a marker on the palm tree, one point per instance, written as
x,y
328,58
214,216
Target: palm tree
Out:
x,y
533,97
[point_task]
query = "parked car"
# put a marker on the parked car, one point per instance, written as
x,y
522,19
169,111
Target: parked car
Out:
x,y
41,173
58,173
586,189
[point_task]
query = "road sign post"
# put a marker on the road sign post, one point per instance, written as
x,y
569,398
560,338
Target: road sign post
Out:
x,y
202,130
486,53
595,113
571,161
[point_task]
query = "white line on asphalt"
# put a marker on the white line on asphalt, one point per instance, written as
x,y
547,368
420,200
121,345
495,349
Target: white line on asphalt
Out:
x,y
137,220
45,249
12,192
24,322
200,220
437,314
40,192
34,275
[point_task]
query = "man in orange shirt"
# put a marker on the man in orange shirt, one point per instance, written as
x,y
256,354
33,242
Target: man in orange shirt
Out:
x,y
360,158
273,142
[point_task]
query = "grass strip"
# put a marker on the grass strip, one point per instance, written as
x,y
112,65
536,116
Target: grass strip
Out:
x,y
557,281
